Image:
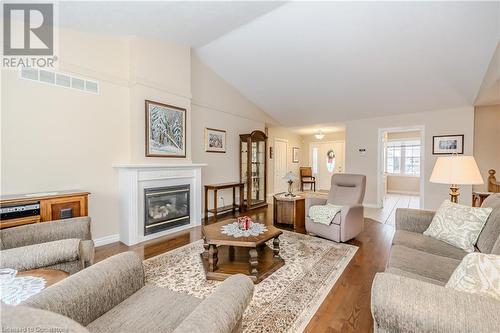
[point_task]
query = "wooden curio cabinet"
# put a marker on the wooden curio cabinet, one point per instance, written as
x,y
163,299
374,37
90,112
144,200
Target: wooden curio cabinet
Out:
x,y
253,169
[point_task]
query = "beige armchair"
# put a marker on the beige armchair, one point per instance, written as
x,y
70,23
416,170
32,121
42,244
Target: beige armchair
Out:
x,y
348,191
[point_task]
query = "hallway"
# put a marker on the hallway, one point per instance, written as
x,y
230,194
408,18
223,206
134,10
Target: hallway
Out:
x,y
392,201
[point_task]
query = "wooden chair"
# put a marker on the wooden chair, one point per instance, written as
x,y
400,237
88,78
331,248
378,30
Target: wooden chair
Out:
x,y
306,177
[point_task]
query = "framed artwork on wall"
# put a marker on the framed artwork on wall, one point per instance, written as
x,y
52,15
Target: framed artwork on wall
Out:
x,y
165,130
215,140
295,155
448,144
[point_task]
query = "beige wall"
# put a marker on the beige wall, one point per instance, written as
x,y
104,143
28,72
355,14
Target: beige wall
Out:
x,y
293,140
364,134
218,105
403,184
403,135
55,138
487,141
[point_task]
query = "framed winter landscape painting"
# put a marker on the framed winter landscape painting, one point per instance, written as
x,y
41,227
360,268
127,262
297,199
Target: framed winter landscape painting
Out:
x,y
165,130
215,140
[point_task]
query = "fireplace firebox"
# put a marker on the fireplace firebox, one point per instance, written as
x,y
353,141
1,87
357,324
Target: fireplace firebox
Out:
x,y
166,208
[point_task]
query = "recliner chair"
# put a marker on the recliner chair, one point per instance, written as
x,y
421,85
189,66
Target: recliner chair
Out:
x,y
348,191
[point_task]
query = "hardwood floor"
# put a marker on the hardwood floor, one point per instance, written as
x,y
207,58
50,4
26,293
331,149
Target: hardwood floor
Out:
x,y
387,214
347,306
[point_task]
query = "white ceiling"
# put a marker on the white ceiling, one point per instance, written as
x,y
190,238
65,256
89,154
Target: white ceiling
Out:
x,y
192,23
321,62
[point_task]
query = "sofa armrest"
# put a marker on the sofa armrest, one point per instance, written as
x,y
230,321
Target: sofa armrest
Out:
x,y
414,220
86,251
401,304
36,233
40,255
222,311
314,201
88,294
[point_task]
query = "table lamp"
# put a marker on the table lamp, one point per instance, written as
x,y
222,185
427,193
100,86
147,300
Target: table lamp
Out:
x,y
456,170
290,177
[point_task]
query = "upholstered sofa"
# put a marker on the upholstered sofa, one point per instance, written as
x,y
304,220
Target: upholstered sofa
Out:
x,y
111,296
348,191
62,244
410,296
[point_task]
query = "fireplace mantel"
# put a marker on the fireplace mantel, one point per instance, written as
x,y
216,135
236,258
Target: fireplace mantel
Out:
x,y
134,178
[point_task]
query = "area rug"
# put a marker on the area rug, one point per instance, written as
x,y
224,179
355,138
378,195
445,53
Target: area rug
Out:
x,y
283,302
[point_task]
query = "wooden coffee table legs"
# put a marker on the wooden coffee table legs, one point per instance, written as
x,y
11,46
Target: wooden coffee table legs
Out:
x,y
212,258
276,247
254,260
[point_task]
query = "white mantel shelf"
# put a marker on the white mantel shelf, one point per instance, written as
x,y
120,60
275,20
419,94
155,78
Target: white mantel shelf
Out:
x,y
156,166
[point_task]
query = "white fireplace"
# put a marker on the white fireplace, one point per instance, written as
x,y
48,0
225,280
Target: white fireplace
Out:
x,y
137,180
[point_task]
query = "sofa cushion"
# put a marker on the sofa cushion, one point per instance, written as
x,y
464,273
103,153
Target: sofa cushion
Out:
x,y
422,263
150,309
491,230
400,272
427,244
40,255
478,273
458,225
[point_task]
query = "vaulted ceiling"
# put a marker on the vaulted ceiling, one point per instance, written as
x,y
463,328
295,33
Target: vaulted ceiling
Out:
x,y
322,62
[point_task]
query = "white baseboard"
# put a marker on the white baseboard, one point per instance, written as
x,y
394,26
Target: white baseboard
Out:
x,y
106,240
404,192
371,205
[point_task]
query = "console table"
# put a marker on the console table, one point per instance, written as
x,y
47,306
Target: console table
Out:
x,y
20,209
222,186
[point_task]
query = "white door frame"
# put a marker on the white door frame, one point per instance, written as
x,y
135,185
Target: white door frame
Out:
x,y
380,164
275,159
320,142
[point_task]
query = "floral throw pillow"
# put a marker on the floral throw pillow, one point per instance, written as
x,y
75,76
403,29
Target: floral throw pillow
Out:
x,y
478,273
458,225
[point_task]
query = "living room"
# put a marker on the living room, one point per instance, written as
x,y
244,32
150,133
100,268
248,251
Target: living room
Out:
x,y
303,145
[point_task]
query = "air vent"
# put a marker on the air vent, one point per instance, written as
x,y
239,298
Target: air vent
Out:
x,y
59,79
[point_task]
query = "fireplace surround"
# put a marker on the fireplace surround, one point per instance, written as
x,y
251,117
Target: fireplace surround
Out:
x,y
138,180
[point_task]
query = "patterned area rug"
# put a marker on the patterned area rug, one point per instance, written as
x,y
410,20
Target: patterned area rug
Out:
x,y
283,302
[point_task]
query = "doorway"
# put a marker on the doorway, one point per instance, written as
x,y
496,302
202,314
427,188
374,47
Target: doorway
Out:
x,y
401,166
280,165
327,158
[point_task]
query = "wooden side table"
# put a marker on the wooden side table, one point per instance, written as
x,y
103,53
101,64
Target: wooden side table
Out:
x,y
289,211
233,206
51,276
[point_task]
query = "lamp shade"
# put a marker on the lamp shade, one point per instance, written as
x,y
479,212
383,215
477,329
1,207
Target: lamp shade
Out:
x,y
290,176
457,170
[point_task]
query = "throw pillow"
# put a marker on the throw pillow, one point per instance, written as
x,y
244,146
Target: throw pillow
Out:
x,y
478,273
458,225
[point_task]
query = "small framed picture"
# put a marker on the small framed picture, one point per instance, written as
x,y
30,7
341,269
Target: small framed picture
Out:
x,y
165,130
215,140
448,144
295,155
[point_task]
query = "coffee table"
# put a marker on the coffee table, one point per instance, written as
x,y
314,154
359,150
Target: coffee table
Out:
x,y
50,275
226,255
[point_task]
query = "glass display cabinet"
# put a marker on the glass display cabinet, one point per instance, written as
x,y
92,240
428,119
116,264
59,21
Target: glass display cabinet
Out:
x,y
253,170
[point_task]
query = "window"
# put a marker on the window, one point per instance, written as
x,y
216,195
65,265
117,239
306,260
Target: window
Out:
x,y
402,157
315,160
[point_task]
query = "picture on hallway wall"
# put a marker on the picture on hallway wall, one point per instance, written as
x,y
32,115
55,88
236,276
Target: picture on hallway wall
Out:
x,y
215,140
295,155
448,144
165,130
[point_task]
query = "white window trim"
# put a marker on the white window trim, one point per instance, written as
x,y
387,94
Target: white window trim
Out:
x,y
402,173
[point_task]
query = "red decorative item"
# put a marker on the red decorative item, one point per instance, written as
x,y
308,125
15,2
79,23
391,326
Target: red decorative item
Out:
x,y
244,222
